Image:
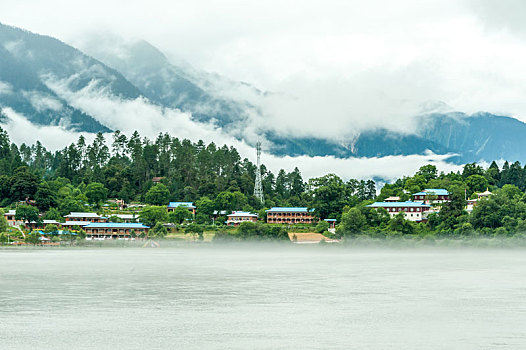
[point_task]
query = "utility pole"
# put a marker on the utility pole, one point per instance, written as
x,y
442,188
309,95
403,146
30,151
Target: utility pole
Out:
x,y
258,187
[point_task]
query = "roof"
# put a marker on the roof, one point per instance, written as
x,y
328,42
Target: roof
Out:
x,y
485,193
75,223
242,213
126,216
329,220
392,198
11,212
289,209
435,191
116,225
398,204
189,205
75,214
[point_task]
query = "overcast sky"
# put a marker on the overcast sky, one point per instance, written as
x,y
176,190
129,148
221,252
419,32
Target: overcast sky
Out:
x,y
354,63
350,64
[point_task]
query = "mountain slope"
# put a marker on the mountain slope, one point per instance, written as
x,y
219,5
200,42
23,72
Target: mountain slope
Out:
x,y
171,85
481,136
28,62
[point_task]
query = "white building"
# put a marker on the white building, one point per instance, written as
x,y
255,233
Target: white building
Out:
x,y
413,211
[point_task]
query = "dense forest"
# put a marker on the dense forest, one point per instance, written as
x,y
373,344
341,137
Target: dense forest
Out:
x,y
195,172
216,178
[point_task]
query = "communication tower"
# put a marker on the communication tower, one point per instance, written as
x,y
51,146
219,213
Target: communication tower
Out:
x,y
258,187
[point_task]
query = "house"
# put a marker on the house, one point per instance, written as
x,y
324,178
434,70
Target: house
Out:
x,y
332,225
432,196
114,230
82,216
472,203
70,224
34,225
294,215
237,217
127,217
414,211
157,179
392,199
484,194
10,217
189,205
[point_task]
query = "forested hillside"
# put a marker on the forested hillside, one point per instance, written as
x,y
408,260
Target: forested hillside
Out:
x,y
126,165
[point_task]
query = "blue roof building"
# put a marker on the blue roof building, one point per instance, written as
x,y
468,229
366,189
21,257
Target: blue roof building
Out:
x,y
189,205
433,191
289,215
114,230
432,195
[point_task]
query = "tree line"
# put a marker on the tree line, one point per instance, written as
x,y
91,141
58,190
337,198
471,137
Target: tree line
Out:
x,y
214,177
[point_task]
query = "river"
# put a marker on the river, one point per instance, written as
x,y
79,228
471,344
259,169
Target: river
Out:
x,y
250,297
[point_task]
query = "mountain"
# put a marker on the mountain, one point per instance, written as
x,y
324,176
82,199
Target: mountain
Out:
x,y
174,86
29,63
39,75
481,136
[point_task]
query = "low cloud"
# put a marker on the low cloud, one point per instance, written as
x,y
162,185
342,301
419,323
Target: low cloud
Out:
x,y
5,88
42,102
21,130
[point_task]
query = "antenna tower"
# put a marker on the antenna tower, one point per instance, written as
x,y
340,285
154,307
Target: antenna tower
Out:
x,y
258,188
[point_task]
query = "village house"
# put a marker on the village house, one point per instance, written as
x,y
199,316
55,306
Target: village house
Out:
x,y
10,217
127,217
472,203
114,230
413,211
157,179
189,205
237,217
34,225
432,196
70,224
332,225
82,216
295,215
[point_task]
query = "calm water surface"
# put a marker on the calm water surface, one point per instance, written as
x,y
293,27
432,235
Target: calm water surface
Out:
x,y
261,298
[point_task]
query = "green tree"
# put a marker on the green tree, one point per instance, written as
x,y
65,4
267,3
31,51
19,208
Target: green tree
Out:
x,y
51,228
151,215
322,226
353,222
33,238
160,230
399,224
96,193
4,225
24,184
27,213
53,214
179,215
45,197
428,172
195,230
476,183
158,195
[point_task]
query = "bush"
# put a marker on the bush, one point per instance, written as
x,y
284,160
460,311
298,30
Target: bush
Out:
x,y
322,226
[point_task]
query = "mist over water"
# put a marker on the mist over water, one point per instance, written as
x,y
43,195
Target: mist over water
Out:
x,y
251,297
